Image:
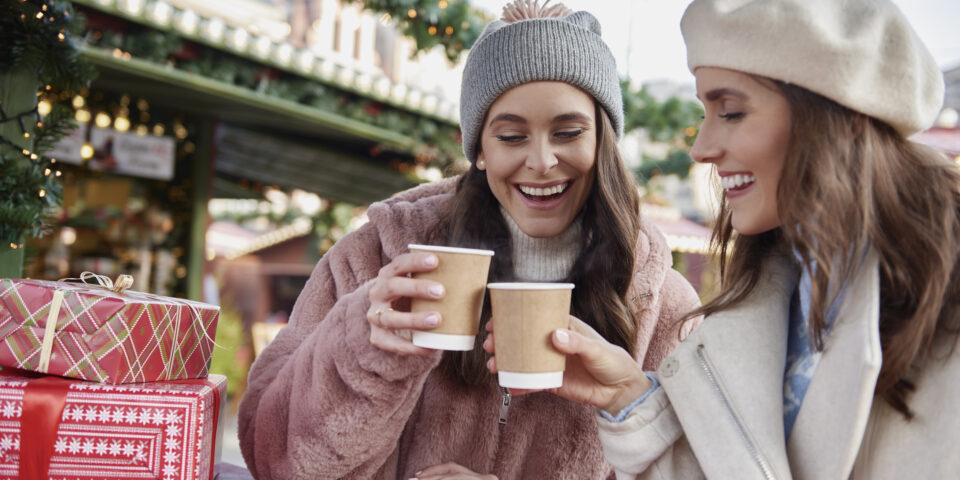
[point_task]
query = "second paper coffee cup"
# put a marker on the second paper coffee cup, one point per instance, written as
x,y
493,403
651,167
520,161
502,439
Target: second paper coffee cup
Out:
x,y
463,274
524,317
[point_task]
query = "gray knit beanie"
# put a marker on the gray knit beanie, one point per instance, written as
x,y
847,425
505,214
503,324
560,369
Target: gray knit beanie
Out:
x,y
506,55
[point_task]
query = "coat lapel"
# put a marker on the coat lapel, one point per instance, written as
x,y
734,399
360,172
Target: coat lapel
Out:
x,y
835,410
726,382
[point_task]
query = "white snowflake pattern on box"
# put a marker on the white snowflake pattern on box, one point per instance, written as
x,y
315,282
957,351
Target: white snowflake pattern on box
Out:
x,y
161,430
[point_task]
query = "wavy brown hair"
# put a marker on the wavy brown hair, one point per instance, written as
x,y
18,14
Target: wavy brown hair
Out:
x,y
602,270
855,184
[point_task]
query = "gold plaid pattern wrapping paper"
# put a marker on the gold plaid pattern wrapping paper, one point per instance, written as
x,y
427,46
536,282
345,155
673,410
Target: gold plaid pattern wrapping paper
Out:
x,y
104,336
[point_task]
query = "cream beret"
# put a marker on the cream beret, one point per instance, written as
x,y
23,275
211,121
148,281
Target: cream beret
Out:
x,y
862,54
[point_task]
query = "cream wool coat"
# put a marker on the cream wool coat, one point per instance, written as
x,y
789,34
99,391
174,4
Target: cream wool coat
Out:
x,y
719,412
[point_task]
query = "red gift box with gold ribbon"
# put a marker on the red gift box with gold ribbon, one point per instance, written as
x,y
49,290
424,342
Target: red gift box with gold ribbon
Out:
x,y
102,333
58,428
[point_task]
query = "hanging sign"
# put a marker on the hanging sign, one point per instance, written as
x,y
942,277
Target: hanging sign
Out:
x,y
125,153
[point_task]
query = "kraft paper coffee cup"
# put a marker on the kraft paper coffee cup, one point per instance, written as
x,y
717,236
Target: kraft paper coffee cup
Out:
x,y
463,274
524,317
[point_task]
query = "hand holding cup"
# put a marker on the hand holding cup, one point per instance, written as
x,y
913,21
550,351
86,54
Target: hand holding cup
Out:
x,y
597,372
389,328
463,273
526,313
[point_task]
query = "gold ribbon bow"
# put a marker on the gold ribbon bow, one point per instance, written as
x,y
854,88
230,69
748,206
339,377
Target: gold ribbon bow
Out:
x,y
46,348
123,281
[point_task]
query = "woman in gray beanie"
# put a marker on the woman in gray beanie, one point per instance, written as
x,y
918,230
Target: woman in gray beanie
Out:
x,y
830,351
343,393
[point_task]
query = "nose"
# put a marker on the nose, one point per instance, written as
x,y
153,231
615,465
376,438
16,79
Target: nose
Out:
x,y
541,158
705,148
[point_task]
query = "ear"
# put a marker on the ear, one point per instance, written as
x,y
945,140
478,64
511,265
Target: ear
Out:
x,y
481,161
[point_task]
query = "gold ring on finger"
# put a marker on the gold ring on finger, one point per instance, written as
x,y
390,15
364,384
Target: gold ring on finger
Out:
x,y
380,312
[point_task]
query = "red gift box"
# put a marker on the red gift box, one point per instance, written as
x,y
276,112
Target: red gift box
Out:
x,y
160,430
94,333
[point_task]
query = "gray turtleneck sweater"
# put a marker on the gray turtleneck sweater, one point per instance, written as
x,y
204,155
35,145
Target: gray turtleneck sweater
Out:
x,y
544,259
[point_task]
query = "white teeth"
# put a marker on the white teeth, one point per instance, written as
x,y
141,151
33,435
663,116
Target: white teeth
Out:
x,y
543,192
736,181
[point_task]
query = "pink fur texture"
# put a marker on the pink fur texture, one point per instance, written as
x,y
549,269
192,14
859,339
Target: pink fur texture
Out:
x,y
322,402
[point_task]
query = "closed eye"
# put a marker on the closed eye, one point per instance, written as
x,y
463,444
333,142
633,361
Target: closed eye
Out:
x,y
732,116
511,138
570,133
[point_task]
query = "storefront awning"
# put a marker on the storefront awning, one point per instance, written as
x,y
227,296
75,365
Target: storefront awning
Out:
x,y
266,139
237,105
289,163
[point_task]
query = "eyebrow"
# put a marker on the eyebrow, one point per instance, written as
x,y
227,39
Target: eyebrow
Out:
x,y
507,117
569,117
564,117
722,92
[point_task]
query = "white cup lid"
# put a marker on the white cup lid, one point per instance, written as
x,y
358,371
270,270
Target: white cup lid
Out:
x,y
435,248
530,286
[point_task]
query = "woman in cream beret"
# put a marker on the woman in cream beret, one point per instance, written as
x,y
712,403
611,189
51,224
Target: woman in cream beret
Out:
x,y
830,351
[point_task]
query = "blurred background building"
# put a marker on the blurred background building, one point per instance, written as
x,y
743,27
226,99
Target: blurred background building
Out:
x,y
225,145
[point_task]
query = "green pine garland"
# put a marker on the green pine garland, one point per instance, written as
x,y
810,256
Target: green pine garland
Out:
x,y
438,142
35,36
454,24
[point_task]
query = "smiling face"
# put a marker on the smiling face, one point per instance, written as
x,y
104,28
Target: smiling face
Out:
x,y
745,133
538,147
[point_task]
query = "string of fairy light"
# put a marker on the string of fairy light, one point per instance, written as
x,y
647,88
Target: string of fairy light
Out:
x,y
38,39
432,29
26,152
44,15
120,122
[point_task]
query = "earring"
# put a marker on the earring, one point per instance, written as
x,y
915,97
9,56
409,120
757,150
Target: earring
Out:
x,y
481,164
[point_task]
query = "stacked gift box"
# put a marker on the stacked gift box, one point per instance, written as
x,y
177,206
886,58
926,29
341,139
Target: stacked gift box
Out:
x,y
137,400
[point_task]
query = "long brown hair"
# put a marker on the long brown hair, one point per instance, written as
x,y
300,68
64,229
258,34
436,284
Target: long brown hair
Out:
x,y
602,270
855,184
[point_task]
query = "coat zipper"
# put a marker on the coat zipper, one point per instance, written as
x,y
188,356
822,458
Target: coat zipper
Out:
x,y
767,473
504,405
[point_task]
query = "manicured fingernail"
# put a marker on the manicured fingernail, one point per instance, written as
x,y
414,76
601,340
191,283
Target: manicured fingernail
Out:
x,y
430,261
436,290
563,337
432,320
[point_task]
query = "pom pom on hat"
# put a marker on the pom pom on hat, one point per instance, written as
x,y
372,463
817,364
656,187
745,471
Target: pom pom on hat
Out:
x,y
530,9
862,54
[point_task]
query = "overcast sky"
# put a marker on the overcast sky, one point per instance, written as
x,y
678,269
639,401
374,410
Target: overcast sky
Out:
x,y
650,31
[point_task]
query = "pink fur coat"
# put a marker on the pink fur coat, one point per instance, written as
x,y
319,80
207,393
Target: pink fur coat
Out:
x,y
322,402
